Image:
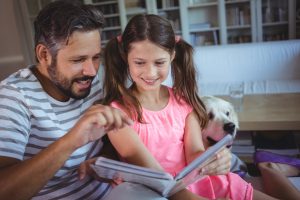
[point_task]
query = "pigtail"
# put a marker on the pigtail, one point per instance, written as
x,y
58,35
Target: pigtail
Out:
x,y
114,67
184,79
116,78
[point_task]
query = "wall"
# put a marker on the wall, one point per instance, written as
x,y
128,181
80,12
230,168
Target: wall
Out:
x,y
11,57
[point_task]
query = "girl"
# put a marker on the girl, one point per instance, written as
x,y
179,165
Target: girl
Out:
x,y
167,120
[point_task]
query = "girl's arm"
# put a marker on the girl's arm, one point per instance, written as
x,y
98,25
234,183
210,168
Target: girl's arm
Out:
x,y
193,143
194,147
123,142
131,148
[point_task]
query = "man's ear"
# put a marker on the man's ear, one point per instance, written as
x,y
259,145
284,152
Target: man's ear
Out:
x,y
43,55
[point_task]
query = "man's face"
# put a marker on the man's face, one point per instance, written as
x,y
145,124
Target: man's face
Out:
x,y
76,65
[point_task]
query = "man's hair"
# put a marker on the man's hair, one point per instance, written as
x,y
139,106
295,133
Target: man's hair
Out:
x,y
57,21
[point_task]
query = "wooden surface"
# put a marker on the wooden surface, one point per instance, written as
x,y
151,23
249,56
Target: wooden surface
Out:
x,y
270,112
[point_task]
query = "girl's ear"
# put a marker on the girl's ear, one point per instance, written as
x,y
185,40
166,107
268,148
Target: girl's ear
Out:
x,y
43,55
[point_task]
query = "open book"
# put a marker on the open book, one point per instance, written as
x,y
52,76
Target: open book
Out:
x,y
162,182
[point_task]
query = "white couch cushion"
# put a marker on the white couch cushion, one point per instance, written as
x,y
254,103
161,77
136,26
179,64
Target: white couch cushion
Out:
x,y
269,67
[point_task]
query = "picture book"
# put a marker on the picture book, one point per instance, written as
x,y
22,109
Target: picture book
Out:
x,y
162,182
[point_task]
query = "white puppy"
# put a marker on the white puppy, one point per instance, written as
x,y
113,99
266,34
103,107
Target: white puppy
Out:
x,y
223,120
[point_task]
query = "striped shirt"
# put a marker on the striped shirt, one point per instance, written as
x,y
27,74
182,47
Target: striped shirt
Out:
x,y
30,120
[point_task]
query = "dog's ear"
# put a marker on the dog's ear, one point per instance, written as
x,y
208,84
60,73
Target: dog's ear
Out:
x,y
211,115
208,102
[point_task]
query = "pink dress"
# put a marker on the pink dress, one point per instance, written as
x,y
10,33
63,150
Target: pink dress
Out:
x,y
163,135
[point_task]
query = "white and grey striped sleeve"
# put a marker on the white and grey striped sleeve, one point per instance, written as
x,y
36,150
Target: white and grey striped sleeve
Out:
x,y
14,122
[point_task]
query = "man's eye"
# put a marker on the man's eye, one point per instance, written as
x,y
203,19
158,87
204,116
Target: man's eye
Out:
x,y
78,60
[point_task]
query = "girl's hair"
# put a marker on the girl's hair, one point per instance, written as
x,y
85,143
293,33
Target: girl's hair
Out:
x,y
160,32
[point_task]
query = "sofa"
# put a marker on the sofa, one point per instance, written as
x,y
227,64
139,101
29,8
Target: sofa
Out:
x,y
265,68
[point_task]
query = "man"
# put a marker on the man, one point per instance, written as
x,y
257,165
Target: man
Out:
x,y
48,123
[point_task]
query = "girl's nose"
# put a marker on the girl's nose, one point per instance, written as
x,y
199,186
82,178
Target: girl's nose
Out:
x,y
151,71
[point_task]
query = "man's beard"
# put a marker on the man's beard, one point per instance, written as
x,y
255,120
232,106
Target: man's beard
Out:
x,y
65,85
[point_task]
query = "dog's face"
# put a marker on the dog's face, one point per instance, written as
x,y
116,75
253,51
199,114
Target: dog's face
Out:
x,y
222,120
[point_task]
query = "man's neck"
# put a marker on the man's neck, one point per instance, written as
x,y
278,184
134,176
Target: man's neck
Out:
x,y
48,86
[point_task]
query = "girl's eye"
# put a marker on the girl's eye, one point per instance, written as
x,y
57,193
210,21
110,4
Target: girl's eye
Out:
x,y
96,58
139,63
160,63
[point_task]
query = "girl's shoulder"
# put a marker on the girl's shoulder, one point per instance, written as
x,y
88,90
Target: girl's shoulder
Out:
x,y
115,104
179,101
171,92
175,97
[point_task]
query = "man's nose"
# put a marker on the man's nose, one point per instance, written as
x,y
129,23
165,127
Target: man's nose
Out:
x,y
88,68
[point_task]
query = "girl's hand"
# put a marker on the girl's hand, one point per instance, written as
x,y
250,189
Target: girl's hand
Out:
x,y
219,165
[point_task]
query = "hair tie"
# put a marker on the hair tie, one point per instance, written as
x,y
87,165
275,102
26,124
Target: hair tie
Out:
x,y
177,38
119,38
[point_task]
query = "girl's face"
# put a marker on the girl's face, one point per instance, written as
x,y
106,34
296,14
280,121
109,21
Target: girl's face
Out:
x,y
148,64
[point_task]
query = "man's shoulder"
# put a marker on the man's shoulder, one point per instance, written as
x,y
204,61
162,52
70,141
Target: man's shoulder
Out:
x,y
20,84
19,77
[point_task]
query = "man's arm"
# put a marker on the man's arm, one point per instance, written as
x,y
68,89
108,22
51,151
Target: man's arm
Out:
x,y
23,179
29,176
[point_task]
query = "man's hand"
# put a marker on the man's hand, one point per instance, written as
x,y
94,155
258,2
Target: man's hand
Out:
x,y
86,170
95,122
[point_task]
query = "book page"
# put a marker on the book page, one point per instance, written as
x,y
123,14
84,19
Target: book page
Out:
x,y
190,173
153,179
161,182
